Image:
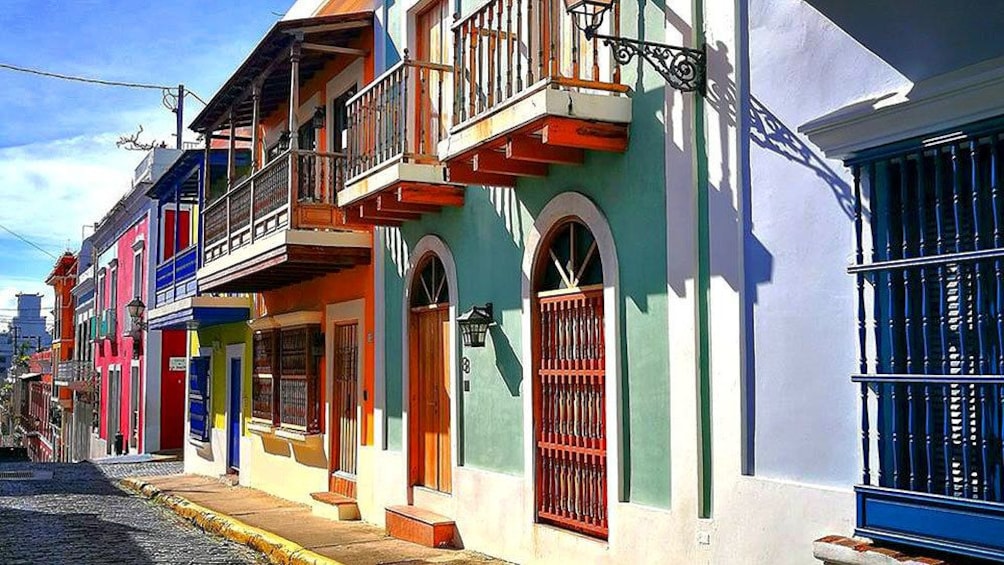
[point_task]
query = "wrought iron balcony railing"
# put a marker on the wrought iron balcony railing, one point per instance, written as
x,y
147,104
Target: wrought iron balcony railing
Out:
x,y
397,117
508,47
269,200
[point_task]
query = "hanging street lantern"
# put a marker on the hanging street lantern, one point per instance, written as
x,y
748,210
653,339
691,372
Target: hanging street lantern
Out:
x,y
684,68
474,324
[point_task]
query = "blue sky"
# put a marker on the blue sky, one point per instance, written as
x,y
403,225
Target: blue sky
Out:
x,y
59,167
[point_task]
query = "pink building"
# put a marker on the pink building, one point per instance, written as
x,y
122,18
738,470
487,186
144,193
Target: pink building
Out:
x,y
141,393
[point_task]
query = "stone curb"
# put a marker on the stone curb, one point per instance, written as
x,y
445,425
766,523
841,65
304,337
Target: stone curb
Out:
x,y
278,549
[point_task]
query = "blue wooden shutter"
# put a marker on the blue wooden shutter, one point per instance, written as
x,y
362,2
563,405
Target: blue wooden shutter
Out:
x,y
198,398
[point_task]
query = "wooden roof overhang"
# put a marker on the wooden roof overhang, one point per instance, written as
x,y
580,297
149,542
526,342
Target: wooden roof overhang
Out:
x,y
283,266
269,63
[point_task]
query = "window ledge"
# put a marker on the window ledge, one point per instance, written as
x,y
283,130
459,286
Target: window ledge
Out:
x,y
296,436
260,428
198,443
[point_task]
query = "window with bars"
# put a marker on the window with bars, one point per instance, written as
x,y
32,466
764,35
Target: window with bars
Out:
x,y
286,388
931,316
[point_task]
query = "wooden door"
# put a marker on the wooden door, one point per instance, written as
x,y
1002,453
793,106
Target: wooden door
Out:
x,y
429,401
569,388
433,46
345,405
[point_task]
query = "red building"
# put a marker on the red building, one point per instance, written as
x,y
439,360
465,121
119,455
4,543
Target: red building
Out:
x,y
141,397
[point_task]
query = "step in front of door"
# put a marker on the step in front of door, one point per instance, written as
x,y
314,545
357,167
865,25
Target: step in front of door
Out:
x,y
420,526
334,506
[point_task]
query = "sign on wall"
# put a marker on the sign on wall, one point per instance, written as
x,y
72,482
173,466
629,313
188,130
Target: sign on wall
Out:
x,y
176,364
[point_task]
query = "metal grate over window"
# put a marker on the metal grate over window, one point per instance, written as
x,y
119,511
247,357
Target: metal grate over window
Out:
x,y
929,219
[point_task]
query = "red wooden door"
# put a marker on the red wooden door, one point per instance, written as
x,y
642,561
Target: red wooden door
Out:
x,y
345,403
571,411
429,398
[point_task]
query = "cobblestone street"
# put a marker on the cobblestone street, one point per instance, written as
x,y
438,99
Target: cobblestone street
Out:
x,y
80,516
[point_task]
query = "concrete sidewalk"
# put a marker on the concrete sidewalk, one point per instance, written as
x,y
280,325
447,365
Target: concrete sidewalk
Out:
x,y
287,532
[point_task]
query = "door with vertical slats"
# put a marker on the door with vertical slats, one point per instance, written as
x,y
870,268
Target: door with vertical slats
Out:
x,y
570,384
345,405
429,384
434,45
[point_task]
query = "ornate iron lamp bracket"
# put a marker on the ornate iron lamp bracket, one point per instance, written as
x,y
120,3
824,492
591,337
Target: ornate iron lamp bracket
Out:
x,y
684,68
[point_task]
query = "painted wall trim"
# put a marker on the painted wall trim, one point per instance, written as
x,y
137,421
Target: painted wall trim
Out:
x,y
949,100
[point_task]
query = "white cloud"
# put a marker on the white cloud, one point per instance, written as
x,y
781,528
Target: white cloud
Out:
x,y
67,183
10,286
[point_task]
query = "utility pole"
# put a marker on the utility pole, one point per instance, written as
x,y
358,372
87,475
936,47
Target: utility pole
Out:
x,y
180,115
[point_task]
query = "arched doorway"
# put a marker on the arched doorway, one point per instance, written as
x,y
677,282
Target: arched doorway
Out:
x,y
569,385
429,452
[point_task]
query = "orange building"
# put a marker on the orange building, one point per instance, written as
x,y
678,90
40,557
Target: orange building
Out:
x,y
276,231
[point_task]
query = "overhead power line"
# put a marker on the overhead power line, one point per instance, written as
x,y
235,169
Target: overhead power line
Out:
x,y
26,240
90,80
84,79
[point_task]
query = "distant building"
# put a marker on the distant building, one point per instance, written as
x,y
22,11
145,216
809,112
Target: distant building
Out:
x,y
28,326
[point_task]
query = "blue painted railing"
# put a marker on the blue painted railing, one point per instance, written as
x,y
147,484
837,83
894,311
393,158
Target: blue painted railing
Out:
x,y
930,303
178,269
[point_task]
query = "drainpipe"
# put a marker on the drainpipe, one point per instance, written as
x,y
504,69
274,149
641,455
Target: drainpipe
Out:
x,y
703,240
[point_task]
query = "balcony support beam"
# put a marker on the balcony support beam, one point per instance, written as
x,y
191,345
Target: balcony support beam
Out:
x,y
491,161
531,148
390,204
369,211
586,135
335,50
462,172
434,195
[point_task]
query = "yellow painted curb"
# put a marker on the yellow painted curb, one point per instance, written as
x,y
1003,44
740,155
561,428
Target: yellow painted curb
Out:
x,y
278,549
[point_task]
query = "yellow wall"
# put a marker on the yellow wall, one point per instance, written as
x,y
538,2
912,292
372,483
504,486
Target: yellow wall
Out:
x,y
219,337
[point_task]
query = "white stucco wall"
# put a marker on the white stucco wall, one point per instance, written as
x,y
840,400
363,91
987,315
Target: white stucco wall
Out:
x,y
799,242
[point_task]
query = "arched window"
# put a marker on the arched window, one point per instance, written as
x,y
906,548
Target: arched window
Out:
x,y
429,286
570,384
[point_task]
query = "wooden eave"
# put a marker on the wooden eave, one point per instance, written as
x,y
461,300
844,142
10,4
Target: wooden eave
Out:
x,y
269,63
401,202
283,266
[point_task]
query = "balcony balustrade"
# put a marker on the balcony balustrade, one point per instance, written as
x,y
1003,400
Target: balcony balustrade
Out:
x,y
296,190
506,48
175,277
70,371
530,91
395,126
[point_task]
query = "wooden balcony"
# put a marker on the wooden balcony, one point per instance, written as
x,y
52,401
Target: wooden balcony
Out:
x,y
530,91
279,226
395,126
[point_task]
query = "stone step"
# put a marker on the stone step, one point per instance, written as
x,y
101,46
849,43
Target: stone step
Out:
x,y
334,506
417,525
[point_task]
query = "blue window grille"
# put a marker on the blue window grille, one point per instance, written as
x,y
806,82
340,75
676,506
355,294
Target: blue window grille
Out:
x,y
929,268
198,398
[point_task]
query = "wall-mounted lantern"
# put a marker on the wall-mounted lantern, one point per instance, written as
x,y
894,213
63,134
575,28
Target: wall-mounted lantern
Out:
x,y
318,120
474,324
684,68
135,308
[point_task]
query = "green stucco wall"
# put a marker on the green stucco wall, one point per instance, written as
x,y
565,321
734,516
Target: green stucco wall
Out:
x,y
487,237
222,336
